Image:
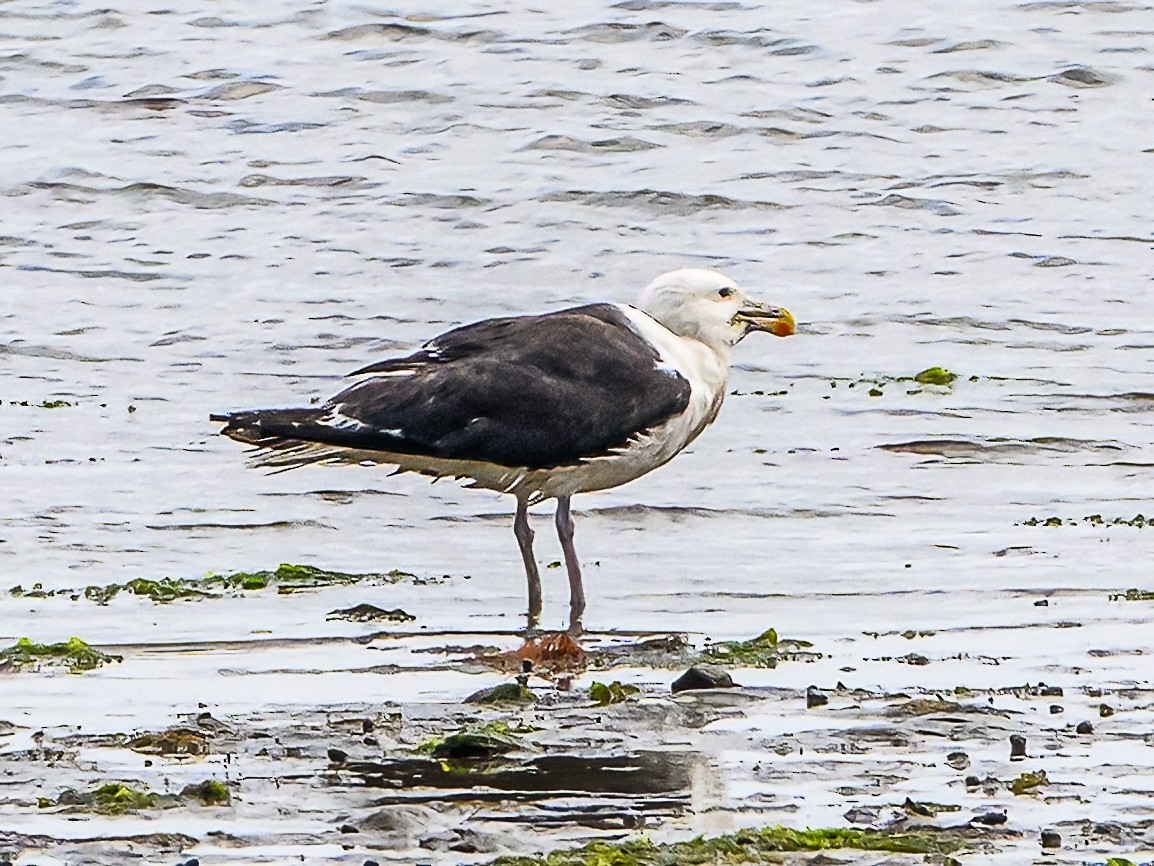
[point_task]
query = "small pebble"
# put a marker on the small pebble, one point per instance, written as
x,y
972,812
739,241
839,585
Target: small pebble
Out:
x,y
973,782
370,863
1051,691
337,756
1084,728
348,828
367,727
1055,709
1017,746
815,697
1051,839
371,741
1105,711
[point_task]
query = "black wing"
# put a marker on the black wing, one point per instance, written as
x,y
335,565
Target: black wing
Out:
x,y
529,391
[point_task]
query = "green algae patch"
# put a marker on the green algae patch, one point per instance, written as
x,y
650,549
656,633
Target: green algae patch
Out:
x,y
766,650
114,798
73,653
43,404
1027,783
613,693
1138,521
748,846
210,792
935,376
1133,595
286,578
162,591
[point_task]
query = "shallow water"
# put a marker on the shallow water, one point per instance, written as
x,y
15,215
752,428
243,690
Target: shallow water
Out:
x,y
210,209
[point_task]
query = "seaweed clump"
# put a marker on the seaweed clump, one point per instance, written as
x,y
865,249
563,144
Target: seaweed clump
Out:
x,y
935,376
210,792
73,653
1028,783
614,693
113,798
286,577
747,846
766,650
1133,595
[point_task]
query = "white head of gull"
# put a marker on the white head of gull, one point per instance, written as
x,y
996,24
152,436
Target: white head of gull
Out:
x,y
540,407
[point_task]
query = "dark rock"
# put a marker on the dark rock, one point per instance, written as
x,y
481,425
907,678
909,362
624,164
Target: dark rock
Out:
x,y
371,741
367,728
973,782
1050,691
703,677
913,659
1084,728
1017,747
348,828
861,815
440,841
476,744
402,820
920,809
815,697
1051,839
337,756
990,819
512,693
1105,711
958,760
1056,708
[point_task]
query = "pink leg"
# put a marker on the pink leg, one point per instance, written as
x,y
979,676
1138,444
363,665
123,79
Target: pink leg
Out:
x,y
572,566
524,533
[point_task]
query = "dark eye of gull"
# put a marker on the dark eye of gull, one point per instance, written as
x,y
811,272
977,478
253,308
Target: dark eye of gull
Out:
x,y
724,293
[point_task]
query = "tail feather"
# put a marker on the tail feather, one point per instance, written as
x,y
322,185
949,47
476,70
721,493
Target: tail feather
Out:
x,y
270,428
290,438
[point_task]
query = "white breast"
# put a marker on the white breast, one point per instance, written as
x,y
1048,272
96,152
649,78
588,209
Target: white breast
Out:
x,y
707,372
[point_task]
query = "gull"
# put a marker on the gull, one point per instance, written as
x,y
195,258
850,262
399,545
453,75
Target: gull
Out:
x,y
538,406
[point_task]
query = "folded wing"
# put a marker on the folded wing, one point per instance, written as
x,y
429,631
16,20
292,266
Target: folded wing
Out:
x,y
529,391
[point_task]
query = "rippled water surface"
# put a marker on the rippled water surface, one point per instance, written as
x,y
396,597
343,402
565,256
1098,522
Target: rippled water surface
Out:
x,y
218,206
